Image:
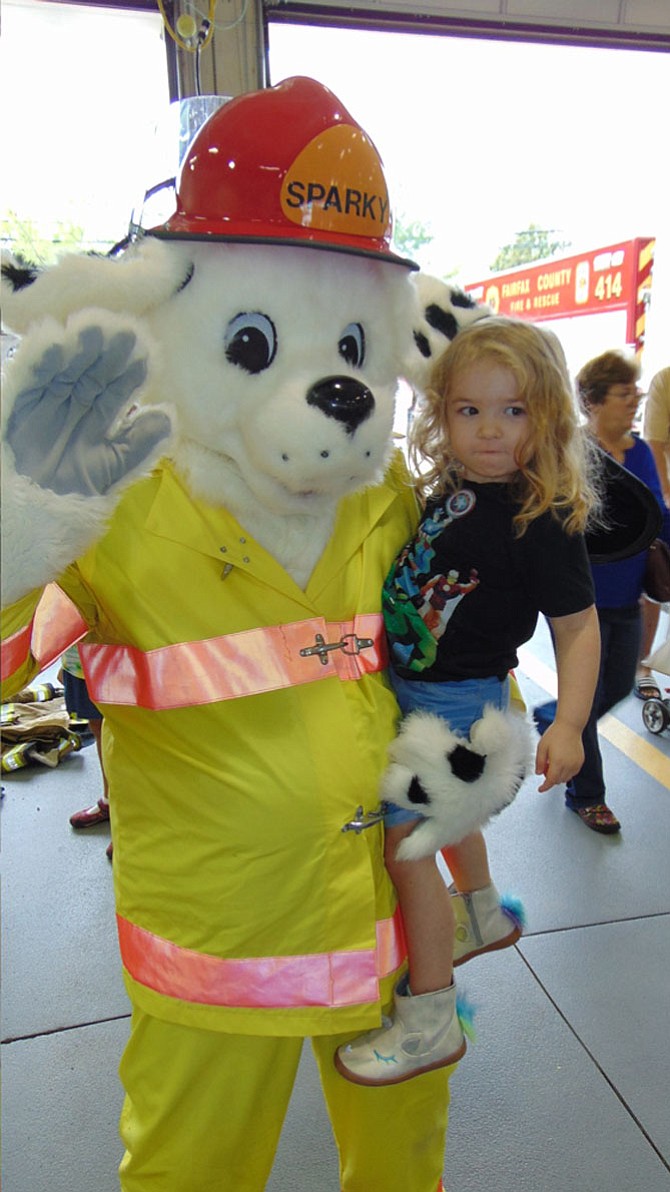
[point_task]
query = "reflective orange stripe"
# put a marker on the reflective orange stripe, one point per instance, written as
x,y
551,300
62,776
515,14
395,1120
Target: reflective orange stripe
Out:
x,y
57,624
236,664
15,650
268,982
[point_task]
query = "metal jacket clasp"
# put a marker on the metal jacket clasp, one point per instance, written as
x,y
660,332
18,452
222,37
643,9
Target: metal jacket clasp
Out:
x,y
362,819
349,644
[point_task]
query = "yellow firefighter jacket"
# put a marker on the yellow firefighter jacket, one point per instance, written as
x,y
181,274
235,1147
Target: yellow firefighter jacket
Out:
x,y
242,904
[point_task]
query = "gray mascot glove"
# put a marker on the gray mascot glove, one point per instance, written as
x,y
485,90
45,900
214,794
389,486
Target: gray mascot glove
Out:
x,y
67,430
74,437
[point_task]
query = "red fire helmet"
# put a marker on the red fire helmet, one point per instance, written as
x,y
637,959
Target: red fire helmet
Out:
x,y
287,164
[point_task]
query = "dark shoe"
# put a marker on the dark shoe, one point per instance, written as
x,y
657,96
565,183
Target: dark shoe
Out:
x,y
599,818
109,851
97,814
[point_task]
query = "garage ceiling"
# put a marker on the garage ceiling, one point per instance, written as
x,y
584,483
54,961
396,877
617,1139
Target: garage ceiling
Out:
x,y
643,24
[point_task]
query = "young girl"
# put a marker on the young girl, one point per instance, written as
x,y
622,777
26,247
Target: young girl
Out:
x,y
500,540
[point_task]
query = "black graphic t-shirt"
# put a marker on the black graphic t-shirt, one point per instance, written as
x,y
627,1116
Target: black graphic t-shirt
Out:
x,y
465,593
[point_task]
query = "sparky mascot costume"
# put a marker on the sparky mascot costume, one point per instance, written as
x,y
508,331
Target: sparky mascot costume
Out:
x,y
197,448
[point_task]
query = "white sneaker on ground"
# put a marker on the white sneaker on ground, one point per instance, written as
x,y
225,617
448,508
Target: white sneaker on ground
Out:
x,y
425,1033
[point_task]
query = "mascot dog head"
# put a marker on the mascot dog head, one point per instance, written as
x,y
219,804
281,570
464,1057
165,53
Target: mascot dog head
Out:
x,y
280,317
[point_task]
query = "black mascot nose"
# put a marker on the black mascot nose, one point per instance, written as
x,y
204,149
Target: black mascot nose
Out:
x,y
342,398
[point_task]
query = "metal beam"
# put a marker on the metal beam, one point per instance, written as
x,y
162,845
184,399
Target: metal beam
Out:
x,y
231,62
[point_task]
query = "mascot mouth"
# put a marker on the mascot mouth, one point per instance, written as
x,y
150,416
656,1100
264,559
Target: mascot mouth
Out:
x,y
302,494
316,492
332,475
220,476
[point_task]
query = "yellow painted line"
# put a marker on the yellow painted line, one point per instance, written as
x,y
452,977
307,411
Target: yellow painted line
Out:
x,y
642,752
638,749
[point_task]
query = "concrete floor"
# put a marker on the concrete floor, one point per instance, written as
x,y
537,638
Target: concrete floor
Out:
x,y
566,1089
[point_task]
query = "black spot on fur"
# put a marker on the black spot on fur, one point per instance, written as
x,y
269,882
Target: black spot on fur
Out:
x,y
416,793
19,276
441,320
188,277
460,298
465,764
422,344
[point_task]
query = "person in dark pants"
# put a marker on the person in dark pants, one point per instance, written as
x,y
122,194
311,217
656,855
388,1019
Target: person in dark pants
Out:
x,y
609,395
79,703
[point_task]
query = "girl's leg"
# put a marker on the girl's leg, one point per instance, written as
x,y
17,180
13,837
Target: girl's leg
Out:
x,y
425,1032
468,863
203,1109
460,704
427,915
484,922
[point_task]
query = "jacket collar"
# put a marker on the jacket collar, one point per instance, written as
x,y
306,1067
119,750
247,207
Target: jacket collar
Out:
x,y
211,530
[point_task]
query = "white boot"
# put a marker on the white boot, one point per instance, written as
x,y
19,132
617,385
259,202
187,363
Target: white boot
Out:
x,y
484,922
425,1033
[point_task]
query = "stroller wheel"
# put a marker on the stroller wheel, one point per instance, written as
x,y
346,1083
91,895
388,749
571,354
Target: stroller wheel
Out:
x,y
655,715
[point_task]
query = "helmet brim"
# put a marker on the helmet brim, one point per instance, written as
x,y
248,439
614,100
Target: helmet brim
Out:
x,y
349,246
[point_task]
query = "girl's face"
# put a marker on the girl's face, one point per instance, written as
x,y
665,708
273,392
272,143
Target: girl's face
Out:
x,y
487,422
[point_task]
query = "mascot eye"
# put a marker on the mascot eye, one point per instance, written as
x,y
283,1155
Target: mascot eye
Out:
x,y
352,345
250,342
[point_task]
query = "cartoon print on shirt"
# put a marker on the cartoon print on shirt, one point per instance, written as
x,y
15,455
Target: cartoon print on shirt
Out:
x,y
418,604
441,595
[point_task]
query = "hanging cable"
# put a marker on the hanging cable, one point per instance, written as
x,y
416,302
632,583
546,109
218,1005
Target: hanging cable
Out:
x,y
195,42
217,24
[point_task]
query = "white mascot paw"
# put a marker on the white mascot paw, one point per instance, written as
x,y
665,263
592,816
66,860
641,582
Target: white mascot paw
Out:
x,y
456,783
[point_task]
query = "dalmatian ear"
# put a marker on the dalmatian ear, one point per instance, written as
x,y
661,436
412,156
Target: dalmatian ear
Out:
x,y
441,311
456,783
143,277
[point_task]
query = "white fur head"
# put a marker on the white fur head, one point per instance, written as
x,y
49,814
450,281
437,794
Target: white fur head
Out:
x,y
283,363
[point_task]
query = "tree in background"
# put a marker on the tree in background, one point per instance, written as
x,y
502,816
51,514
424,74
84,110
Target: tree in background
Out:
x,y
533,244
41,244
409,236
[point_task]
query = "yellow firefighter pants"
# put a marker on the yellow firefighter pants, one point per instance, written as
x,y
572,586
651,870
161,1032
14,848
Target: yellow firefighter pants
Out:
x,y
204,1111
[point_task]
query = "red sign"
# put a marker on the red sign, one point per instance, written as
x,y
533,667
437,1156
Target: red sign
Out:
x,y
602,279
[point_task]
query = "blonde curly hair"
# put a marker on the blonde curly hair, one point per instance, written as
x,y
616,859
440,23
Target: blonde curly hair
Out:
x,y
555,469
